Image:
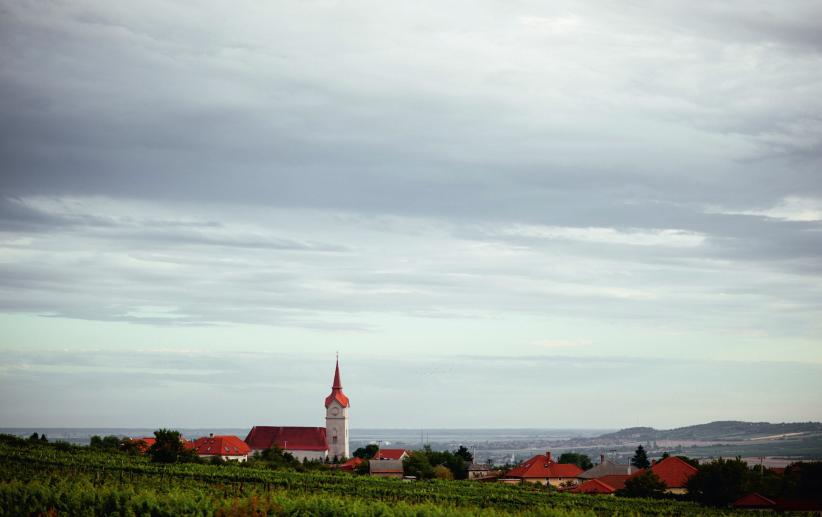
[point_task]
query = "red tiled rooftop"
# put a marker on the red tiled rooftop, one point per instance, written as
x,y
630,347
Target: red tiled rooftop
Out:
x,y
593,486
287,438
753,500
617,481
541,466
673,471
223,445
389,454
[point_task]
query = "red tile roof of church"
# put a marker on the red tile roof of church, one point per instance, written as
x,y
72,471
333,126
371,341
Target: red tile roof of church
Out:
x,y
337,390
287,438
222,445
542,466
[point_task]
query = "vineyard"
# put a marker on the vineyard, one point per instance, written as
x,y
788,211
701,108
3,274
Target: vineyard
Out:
x,y
40,479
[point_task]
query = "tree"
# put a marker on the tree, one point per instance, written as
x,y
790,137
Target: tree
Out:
x,y
363,468
465,454
367,452
646,484
803,480
720,482
108,443
417,465
168,447
574,458
443,472
640,459
275,458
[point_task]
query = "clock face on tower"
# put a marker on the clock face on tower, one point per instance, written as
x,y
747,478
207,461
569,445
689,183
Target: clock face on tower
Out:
x,y
335,410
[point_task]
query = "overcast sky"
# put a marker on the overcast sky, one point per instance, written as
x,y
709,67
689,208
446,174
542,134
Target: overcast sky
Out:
x,y
501,214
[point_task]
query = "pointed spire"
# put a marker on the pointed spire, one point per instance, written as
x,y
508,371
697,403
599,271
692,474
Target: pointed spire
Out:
x,y
336,389
337,383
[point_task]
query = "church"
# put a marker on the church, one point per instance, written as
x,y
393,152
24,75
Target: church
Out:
x,y
312,443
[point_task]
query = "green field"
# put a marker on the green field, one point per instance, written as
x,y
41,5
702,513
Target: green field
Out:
x,y
43,479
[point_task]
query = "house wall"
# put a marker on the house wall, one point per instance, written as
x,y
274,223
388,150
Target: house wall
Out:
x,y
226,458
676,491
397,475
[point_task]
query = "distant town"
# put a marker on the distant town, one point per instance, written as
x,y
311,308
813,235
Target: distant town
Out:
x,y
655,465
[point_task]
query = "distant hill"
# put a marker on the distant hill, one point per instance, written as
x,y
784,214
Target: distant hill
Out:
x,y
727,430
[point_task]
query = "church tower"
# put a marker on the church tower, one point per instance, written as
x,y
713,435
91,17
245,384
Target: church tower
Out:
x,y
336,419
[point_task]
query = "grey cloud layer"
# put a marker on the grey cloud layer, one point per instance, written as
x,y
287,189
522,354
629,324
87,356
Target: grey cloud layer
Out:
x,y
311,164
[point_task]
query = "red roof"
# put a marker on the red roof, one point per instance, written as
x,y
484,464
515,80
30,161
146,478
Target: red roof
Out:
x,y
542,466
673,471
224,445
593,486
617,481
336,390
351,464
143,444
390,454
287,438
753,500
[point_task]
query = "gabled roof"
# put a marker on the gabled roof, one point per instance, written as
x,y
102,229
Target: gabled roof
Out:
x,y
615,480
541,466
287,438
607,468
223,445
593,486
753,500
385,466
390,454
336,390
673,471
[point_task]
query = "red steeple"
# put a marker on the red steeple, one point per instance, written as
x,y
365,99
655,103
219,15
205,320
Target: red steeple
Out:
x,y
336,389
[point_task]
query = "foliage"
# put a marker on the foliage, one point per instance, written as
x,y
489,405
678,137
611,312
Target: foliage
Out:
x,y
646,484
803,480
169,447
443,472
35,479
580,460
720,482
367,452
37,438
464,453
417,465
275,458
109,442
640,459
363,468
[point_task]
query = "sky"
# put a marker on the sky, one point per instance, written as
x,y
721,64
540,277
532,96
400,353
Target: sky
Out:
x,y
499,213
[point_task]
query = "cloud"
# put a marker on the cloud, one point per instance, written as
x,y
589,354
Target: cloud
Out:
x,y
425,178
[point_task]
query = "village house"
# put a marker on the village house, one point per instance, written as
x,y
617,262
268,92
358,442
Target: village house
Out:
x,y
480,471
592,486
391,454
227,447
311,443
386,468
544,470
674,472
607,467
